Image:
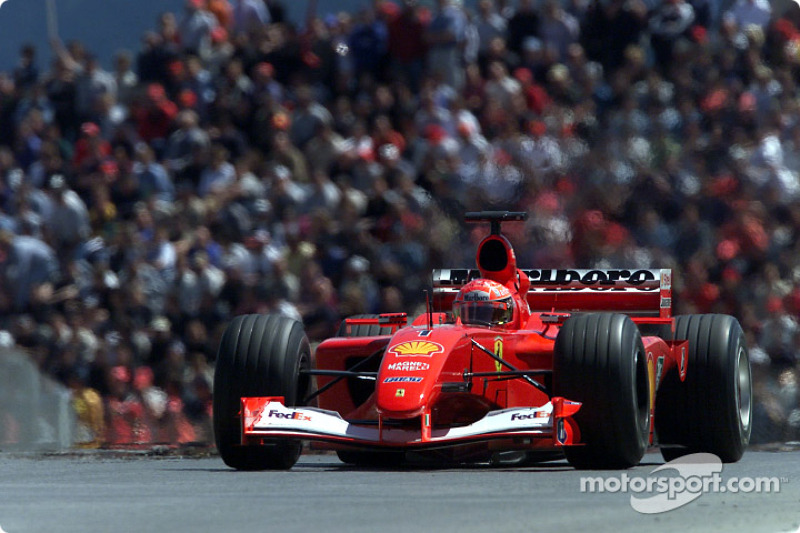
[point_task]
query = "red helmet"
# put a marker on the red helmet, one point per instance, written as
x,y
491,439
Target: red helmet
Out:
x,y
484,302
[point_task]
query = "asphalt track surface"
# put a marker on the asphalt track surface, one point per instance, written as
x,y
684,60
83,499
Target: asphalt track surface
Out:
x,y
101,492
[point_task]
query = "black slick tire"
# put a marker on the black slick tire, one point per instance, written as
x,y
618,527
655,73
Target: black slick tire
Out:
x,y
599,360
259,355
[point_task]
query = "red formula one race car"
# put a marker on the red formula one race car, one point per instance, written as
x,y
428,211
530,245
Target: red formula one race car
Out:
x,y
530,364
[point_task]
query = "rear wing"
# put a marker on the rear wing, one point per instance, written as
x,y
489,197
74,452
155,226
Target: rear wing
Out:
x,y
631,291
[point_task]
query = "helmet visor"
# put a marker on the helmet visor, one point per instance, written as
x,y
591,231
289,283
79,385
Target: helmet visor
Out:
x,y
485,313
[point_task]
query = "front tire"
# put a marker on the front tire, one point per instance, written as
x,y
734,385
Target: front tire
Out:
x,y
599,360
711,411
259,355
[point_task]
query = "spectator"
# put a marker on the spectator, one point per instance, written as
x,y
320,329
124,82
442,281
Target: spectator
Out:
x,y
88,406
125,78
195,27
68,222
406,44
490,25
154,117
249,16
609,28
218,175
151,175
524,23
445,38
751,12
26,74
670,21
126,424
368,44
91,84
307,117
186,147
557,28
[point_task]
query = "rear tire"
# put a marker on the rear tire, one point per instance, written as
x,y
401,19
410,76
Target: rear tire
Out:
x,y
259,355
711,411
600,361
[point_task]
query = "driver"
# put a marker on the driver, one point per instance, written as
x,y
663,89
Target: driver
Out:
x,y
483,302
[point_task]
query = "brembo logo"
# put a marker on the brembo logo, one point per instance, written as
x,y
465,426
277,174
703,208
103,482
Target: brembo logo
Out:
x,y
294,415
603,278
423,348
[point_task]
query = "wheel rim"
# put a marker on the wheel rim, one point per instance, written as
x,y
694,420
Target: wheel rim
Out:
x,y
743,388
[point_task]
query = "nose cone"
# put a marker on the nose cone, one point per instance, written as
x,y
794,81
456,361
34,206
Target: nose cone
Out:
x,y
408,375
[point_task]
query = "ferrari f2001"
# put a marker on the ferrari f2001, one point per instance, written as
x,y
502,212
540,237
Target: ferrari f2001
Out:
x,y
506,362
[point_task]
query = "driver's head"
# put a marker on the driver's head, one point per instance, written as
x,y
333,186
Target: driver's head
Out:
x,y
484,302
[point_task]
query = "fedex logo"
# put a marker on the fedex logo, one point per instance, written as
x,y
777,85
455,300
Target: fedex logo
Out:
x,y
294,415
531,416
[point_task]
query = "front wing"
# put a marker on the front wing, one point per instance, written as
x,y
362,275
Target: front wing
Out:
x,y
268,419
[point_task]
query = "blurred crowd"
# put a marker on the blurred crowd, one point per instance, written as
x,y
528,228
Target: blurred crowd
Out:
x,y
237,161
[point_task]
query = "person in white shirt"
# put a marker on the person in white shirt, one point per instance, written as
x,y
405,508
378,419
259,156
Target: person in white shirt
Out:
x,y
751,12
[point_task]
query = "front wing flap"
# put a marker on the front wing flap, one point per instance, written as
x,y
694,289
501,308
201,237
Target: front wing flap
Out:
x,y
267,418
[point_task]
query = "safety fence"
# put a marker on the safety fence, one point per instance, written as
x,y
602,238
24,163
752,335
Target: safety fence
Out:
x,y
35,412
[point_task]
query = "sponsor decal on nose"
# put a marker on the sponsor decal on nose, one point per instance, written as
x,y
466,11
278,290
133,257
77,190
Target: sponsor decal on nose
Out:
x,y
402,379
419,348
409,366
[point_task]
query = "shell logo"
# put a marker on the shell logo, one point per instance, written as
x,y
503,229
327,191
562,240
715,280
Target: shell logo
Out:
x,y
423,348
